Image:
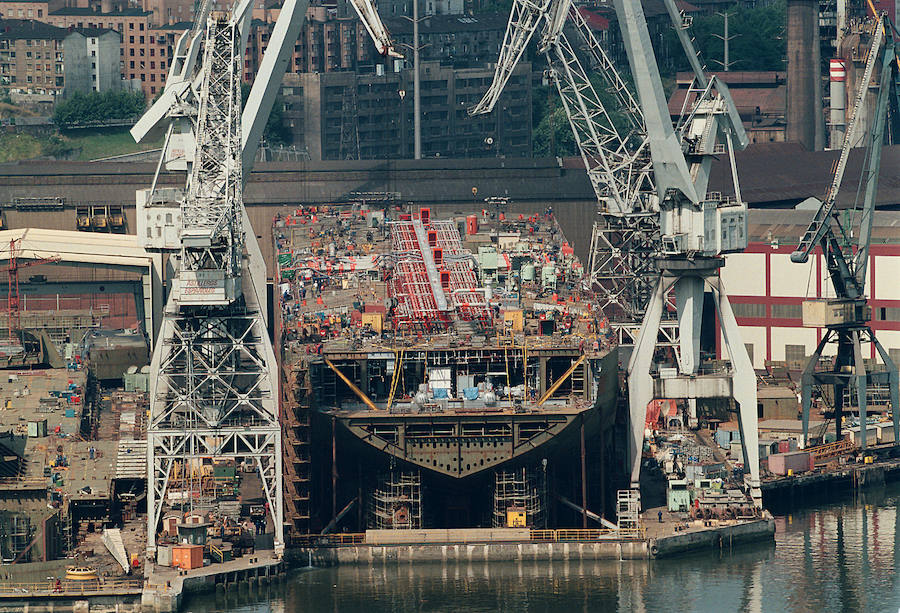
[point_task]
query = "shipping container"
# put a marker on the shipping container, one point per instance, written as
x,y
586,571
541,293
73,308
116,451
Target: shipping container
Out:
x,y
187,557
37,429
796,461
885,432
164,555
871,435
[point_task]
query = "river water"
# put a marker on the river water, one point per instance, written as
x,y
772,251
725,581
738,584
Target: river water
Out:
x,y
835,557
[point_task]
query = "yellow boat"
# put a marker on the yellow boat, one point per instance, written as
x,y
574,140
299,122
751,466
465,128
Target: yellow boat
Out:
x,y
81,573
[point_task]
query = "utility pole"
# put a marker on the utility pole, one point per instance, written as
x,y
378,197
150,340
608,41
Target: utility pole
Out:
x,y
726,65
417,98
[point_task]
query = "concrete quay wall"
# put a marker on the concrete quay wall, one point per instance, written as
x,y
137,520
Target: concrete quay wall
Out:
x,y
473,552
726,536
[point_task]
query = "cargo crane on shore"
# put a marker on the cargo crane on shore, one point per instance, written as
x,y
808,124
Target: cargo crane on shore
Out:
x,y
625,238
616,157
697,228
658,174
845,317
214,379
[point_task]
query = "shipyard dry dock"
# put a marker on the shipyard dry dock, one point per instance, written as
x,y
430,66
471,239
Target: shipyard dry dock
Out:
x,y
450,394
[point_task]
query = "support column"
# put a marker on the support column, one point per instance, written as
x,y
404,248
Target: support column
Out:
x,y
689,301
806,385
583,478
743,388
640,382
860,371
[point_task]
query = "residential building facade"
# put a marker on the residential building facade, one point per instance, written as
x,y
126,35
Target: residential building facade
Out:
x,y
39,58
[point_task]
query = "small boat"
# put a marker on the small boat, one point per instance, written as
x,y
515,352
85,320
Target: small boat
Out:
x,y
80,573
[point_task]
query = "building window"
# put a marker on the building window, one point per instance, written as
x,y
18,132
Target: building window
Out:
x,y
40,13
131,39
152,52
888,313
132,65
153,77
748,309
131,26
795,353
787,311
142,27
141,40
152,91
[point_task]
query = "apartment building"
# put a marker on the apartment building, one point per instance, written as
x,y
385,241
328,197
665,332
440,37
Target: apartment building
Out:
x,y
39,58
348,115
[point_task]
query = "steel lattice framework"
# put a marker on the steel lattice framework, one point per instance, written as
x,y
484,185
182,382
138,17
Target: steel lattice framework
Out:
x,y
621,269
214,387
212,236
434,280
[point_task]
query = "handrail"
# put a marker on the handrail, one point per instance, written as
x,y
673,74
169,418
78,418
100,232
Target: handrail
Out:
x,y
24,481
69,588
543,536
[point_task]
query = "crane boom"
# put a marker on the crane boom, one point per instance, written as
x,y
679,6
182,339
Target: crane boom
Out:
x,y
821,222
368,14
849,312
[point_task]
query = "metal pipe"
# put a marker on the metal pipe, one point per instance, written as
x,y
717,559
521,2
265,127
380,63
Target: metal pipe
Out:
x,y
351,385
560,381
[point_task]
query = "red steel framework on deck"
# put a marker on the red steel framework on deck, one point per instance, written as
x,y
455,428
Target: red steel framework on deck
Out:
x,y
412,288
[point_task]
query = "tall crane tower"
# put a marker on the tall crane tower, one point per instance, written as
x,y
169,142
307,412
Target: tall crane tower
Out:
x,y
214,379
697,228
845,317
616,157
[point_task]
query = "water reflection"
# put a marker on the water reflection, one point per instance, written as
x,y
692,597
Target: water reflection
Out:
x,y
838,557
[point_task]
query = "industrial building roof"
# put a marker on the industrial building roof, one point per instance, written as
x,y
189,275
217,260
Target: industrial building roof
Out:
x,y
76,247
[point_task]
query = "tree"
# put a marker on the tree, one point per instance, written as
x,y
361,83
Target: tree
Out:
x,y
99,108
758,43
275,132
552,135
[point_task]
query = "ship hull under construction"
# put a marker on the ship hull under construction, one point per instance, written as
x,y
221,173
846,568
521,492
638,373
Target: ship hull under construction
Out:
x,y
446,407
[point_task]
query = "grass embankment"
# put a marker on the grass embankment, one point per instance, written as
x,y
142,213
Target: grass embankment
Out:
x,y
81,145
94,144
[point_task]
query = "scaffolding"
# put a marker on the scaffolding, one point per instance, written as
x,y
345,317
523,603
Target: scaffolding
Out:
x,y
396,504
520,499
628,509
17,535
434,280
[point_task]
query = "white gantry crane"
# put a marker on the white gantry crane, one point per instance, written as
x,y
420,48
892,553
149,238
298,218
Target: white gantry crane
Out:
x,y
697,227
616,157
214,380
845,317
